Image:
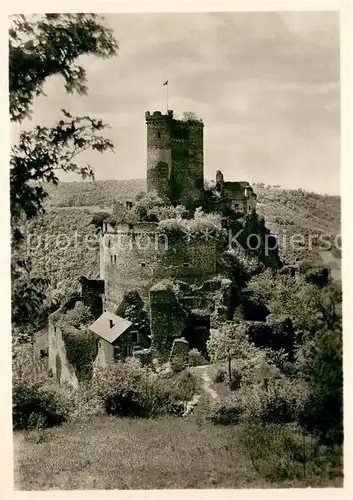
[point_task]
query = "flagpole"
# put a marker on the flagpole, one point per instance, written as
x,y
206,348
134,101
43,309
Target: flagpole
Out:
x,y
166,84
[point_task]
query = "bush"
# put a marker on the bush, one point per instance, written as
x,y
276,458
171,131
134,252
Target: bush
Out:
x,y
276,334
224,413
284,452
36,407
273,450
179,387
235,381
279,402
130,389
321,364
220,376
196,358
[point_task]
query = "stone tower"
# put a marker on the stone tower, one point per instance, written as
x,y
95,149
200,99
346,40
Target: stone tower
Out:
x,y
175,158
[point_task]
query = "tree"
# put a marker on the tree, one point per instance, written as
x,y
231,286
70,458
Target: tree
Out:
x,y
321,366
30,306
40,47
228,343
79,317
309,306
231,344
49,45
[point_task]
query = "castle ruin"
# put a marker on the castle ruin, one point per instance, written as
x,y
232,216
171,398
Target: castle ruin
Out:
x,y
178,283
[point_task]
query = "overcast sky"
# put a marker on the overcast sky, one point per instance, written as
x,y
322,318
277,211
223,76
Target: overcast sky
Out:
x,y
267,86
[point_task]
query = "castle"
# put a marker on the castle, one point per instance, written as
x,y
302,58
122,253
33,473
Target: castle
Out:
x,y
175,283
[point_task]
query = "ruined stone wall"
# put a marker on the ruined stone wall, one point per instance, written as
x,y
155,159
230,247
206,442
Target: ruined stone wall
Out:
x,y
168,319
132,262
92,292
136,260
105,355
58,364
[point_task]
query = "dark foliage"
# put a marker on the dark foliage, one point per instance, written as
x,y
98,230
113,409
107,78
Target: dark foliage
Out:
x,y
322,367
220,376
41,152
33,407
317,276
226,415
30,305
39,47
125,405
249,308
50,45
81,350
99,218
276,335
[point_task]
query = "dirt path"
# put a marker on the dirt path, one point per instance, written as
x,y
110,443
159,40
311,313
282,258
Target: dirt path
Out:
x,y
207,385
204,374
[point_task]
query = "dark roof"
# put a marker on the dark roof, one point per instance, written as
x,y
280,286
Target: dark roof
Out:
x,y
101,326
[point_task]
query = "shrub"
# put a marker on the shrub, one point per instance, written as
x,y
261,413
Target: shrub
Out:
x,y
224,413
196,358
129,389
276,402
35,407
220,376
284,452
274,450
322,367
276,333
179,387
235,381
79,316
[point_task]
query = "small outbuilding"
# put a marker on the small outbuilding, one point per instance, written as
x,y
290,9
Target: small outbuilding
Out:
x,y
118,338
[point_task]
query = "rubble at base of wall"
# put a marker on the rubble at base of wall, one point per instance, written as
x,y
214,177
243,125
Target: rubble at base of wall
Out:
x,y
179,355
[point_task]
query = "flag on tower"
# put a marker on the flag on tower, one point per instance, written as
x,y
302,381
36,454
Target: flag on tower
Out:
x,y
165,83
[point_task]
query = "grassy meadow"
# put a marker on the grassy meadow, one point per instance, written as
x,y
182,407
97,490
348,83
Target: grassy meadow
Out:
x,y
116,453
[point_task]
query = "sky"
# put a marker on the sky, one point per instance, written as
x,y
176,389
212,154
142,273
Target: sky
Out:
x,y
267,86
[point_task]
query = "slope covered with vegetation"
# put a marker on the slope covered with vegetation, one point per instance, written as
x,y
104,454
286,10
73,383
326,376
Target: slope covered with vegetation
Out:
x,y
297,215
63,246
93,193
299,218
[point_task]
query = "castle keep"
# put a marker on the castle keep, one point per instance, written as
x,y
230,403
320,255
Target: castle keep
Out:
x,y
175,158
175,283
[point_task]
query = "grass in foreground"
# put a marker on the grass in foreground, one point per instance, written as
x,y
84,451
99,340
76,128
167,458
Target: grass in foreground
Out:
x,y
113,453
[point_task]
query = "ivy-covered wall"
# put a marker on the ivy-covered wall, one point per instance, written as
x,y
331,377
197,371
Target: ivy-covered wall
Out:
x,y
167,318
81,351
133,260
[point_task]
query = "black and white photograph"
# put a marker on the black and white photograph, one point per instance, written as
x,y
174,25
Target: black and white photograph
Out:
x,y
175,226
